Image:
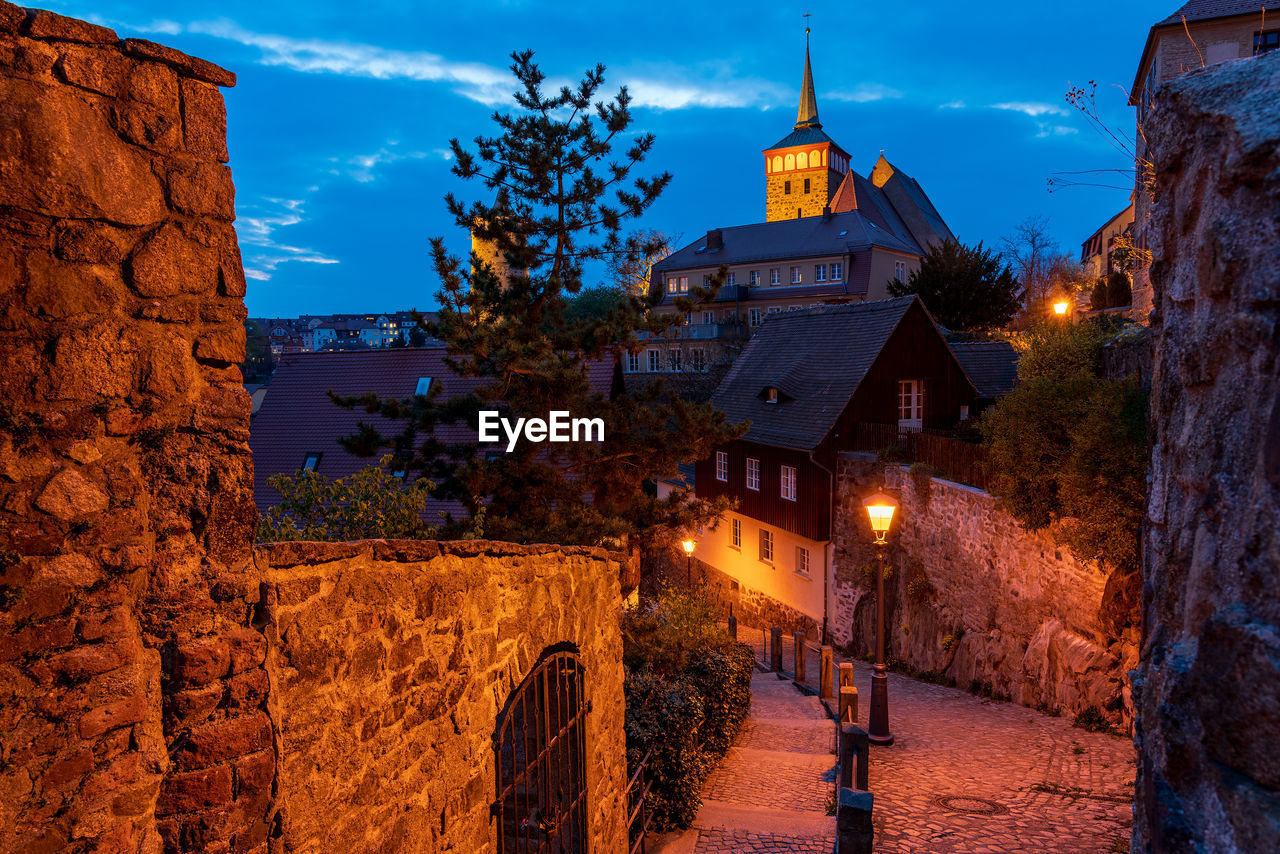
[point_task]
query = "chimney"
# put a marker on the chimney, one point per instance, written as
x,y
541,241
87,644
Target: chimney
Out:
x,y
826,213
715,240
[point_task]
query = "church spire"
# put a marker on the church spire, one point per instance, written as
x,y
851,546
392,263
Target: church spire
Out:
x,y
807,115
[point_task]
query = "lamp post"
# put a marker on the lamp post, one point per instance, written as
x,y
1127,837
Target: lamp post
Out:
x,y
1060,308
880,509
687,545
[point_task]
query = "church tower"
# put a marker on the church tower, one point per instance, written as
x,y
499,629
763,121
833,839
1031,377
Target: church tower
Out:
x,y
805,168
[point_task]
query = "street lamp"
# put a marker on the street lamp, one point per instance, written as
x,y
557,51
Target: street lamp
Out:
x,y
1060,307
880,509
687,545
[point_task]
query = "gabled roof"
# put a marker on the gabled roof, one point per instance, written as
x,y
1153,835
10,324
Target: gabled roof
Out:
x,y
817,357
911,203
1195,11
992,366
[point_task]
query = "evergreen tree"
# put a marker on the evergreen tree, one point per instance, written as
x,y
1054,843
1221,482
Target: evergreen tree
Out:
x,y
965,288
559,201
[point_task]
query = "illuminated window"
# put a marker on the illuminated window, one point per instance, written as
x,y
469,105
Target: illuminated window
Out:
x,y
815,158
777,163
684,284
790,162
753,278
788,490
672,283
722,465
766,545
753,474
802,160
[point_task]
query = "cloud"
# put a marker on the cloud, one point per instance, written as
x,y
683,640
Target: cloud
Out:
x,y
262,253
1035,109
1047,130
864,93
952,105
363,167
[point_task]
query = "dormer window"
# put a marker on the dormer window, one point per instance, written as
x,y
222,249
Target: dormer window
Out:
x,y
424,385
770,395
310,462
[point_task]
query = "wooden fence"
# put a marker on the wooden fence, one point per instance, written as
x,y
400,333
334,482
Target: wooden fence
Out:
x,y
957,460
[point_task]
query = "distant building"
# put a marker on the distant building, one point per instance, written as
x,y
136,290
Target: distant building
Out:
x,y
807,382
831,236
1096,252
1200,33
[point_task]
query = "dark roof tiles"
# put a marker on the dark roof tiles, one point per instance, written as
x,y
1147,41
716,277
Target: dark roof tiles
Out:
x,y
991,365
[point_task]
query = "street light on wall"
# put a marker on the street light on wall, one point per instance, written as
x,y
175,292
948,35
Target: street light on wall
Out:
x,y
1060,307
880,508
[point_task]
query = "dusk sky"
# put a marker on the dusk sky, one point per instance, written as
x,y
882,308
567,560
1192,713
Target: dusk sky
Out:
x,y
339,125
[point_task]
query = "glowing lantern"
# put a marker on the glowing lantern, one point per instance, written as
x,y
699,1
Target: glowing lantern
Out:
x,y
880,509
687,545
1060,307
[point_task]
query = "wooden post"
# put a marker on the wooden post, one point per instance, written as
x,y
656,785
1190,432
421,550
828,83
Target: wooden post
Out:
x,y
848,704
846,675
733,623
854,831
775,650
855,755
800,668
828,676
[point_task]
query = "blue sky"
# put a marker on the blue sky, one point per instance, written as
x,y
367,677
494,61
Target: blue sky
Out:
x,y
339,125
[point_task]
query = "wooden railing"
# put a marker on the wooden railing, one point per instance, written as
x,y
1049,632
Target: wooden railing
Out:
x,y
955,459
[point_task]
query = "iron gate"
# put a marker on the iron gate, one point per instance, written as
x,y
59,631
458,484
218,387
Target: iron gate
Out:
x,y
541,748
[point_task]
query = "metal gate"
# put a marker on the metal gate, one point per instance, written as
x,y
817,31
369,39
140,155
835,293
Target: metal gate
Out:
x,y
541,748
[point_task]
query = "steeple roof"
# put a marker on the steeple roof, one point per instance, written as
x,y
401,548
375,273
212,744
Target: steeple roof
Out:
x,y
807,115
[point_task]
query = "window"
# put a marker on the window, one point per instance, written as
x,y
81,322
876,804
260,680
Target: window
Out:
x,y
312,460
788,490
802,560
819,272
837,272
910,404
964,413
633,363
753,474
684,284
755,317
753,278
786,186
424,384
688,318
673,360
731,279
655,361
1265,41
698,360
736,534
775,309
900,270
706,281
672,283
775,276
796,277
771,395
708,318
722,466
766,545
806,185
802,162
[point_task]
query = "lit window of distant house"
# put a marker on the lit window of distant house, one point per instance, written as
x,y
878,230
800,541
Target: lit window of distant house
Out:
x,y
796,277
771,395
633,363
684,284
788,490
697,359
766,545
900,270
910,404
775,275
731,279
837,272
673,360
736,540
424,385
655,361
722,465
311,461
802,560
1265,41
753,474
819,272
708,317
753,278
755,317
673,283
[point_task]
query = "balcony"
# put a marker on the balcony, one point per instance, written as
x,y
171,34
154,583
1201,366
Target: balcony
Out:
x,y
726,331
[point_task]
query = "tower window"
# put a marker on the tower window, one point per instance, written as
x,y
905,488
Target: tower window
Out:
x,y
786,188
802,160
806,185
798,213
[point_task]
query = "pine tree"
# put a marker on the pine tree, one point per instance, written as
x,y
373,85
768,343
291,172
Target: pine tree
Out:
x,y
559,202
965,288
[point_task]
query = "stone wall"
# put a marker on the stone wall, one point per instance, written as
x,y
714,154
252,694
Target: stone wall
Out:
x,y
133,690
975,597
1208,687
390,662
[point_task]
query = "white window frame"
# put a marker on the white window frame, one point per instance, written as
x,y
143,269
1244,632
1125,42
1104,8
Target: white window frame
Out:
x,y
766,546
735,534
775,275
753,278
708,318
722,466
753,474
796,276
673,360
910,404
698,360
900,271
819,272
684,284
802,561
731,278
633,363
787,485
837,271
755,317
655,361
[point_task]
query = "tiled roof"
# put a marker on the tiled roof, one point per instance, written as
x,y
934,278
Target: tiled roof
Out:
x,y
297,417
1204,10
812,135
991,365
816,358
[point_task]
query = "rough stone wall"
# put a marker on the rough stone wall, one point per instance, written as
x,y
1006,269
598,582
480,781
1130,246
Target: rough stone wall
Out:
x,y
390,662
974,596
124,466
1208,686
779,204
